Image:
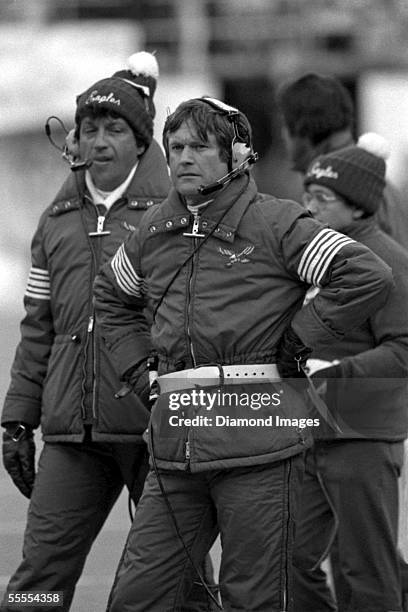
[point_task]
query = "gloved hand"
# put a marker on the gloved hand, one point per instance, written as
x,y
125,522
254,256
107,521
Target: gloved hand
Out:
x,y
292,355
19,456
136,379
331,371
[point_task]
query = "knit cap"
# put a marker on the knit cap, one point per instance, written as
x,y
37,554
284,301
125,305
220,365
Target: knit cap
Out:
x,y
128,93
356,173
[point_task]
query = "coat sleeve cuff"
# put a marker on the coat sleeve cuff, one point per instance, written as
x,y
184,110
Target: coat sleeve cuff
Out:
x,y
131,351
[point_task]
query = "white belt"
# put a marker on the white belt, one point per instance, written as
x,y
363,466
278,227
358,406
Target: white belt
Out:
x,y
206,376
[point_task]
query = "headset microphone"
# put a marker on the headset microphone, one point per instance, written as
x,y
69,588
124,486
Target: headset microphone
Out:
x,y
70,150
207,189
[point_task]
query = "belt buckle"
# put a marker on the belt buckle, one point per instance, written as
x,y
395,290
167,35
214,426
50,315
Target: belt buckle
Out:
x,y
220,373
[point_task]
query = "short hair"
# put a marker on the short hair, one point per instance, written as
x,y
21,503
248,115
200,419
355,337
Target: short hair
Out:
x,y
315,106
207,120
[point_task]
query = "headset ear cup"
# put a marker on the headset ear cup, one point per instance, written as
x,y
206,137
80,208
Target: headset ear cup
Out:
x,y
240,152
72,145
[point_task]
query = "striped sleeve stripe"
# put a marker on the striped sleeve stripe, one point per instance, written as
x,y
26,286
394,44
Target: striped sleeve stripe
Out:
x,y
325,261
319,253
38,284
125,275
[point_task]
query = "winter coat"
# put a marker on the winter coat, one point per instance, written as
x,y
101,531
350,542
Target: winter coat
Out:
x,y
369,392
229,303
62,375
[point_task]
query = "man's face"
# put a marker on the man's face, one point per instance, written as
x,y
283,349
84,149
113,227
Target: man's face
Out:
x,y
329,208
193,162
109,143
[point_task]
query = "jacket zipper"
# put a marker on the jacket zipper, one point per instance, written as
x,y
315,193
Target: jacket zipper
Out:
x,y
85,369
91,324
195,230
90,336
288,469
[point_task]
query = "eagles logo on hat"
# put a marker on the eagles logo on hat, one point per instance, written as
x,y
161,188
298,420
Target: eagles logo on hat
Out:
x,y
128,93
356,173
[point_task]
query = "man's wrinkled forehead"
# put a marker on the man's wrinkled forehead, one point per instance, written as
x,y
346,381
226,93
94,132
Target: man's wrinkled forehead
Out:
x,y
188,132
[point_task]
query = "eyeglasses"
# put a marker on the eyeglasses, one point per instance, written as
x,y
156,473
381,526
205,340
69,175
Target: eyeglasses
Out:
x,y
320,197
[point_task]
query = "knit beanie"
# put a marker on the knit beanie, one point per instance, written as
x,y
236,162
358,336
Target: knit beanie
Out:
x,y
356,173
127,93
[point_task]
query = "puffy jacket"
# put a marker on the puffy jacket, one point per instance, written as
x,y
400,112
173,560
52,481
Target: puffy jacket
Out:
x,y
368,396
62,375
229,303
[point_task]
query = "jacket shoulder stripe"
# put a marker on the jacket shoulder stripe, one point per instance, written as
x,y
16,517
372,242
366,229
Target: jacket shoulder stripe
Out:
x,y
38,284
125,274
325,262
319,253
37,296
39,273
322,253
309,248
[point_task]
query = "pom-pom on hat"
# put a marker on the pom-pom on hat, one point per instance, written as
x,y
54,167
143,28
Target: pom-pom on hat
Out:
x,y
356,173
127,93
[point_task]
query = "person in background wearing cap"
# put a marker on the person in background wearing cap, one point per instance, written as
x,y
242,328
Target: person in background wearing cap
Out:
x,y
351,478
318,118
62,377
213,260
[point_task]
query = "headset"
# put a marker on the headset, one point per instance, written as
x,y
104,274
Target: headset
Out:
x,y
70,150
242,154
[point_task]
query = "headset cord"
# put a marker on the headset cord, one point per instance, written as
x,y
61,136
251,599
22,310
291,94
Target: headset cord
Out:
x,y
195,250
178,532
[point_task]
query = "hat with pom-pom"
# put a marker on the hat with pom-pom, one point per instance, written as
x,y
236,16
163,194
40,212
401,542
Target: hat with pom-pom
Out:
x,y
356,173
127,93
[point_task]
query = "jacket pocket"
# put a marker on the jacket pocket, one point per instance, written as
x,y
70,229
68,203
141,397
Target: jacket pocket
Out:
x,y
62,386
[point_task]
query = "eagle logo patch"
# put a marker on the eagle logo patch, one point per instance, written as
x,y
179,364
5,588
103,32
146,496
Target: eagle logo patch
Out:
x,y
233,258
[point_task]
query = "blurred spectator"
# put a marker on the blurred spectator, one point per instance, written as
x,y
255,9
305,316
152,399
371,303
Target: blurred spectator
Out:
x,y
318,116
351,479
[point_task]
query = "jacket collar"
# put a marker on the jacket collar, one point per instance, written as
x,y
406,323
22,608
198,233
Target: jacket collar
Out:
x,y
150,181
231,202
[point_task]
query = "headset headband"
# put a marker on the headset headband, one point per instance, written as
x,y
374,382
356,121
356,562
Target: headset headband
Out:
x,y
230,112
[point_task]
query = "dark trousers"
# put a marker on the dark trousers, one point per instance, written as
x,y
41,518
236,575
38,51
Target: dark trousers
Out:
x,y
350,490
253,508
75,489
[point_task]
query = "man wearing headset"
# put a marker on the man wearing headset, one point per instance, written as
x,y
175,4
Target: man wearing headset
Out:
x,y
62,375
225,270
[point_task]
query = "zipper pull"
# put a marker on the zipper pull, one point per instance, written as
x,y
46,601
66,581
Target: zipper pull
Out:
x,y
187,452
195,233
196,224
99,228
90,324
100,224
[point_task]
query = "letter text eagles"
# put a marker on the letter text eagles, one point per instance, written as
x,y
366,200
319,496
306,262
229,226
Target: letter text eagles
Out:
x,y
97,98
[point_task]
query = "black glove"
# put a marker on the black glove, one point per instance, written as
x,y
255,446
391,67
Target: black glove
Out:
x,y
292,355
19,456
136,379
